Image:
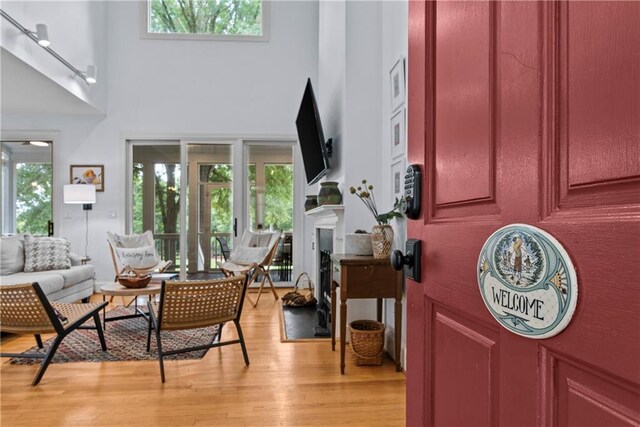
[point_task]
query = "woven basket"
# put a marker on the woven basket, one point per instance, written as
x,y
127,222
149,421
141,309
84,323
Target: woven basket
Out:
x,y
367,342
134,282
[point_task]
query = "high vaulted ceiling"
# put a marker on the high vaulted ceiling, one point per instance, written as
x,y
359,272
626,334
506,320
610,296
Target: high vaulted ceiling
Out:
x,y
25,90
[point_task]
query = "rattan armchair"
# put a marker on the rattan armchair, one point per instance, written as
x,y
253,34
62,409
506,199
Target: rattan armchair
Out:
x,y
25,309
197,304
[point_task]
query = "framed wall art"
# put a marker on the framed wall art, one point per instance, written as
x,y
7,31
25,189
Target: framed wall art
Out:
x,y
398,137
397,79
88,174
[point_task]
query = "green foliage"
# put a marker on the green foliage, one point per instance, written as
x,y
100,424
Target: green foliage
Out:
x,y
33,197
167,203
221,198
137,198
251,176
279,196
227,17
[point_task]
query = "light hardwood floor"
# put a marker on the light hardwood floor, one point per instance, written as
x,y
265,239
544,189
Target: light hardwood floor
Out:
x,y
287,384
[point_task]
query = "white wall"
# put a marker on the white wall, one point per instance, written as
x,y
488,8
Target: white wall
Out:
x,y
360,42
176,89
77,31
395,37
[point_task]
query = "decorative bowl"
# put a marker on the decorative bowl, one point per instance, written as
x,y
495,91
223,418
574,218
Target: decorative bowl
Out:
x,y
134,282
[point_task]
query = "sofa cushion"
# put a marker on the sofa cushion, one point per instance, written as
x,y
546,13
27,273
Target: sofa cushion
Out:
x,y
75,274
49,282
11,255
46,253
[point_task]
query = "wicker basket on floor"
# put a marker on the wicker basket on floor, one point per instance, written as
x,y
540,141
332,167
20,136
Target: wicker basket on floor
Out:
x,y
367,342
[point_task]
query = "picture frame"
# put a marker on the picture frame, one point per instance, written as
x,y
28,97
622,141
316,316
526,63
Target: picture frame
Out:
x,y
87,174
398,134
398,87
397,179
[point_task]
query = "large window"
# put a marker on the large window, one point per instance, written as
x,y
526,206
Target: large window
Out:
x,y
208,19
26,189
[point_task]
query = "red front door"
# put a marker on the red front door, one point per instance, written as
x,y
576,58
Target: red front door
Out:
x,y
524,112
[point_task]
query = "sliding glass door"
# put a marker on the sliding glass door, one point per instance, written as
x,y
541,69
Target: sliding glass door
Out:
x,y
212,213
156,195
199,196
269,192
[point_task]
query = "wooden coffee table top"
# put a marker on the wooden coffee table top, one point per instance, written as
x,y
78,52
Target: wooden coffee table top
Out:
x,y
116,289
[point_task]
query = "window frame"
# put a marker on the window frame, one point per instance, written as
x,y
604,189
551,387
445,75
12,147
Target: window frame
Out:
x,y
145,10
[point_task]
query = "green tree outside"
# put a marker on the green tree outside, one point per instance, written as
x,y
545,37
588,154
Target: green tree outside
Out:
x,y
224,17
279,196
33,197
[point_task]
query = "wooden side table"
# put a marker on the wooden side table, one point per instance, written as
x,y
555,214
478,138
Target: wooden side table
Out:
x,y
116,289
364,277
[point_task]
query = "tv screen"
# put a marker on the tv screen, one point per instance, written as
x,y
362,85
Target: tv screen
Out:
x,y
311,137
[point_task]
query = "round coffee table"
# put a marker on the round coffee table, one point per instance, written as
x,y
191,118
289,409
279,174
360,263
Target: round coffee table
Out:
x,y
117,290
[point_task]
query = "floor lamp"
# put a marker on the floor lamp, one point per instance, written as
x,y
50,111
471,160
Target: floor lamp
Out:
x,y
84,194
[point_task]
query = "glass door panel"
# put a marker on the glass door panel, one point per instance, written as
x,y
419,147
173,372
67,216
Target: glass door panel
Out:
x,y
156,196
210,216
270,199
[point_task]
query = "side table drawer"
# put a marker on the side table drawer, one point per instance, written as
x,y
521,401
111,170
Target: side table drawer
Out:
x,y
366,280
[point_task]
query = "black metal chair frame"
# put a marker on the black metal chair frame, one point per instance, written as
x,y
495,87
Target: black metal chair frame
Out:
x,y
154,323
61,331
224,247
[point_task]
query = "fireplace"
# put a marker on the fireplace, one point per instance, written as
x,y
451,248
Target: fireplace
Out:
x,y
328,238
325,248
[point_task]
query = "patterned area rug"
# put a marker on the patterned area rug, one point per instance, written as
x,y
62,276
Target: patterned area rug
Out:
x,y
126,340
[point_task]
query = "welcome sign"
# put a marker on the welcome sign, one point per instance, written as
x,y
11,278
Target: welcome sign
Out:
x,y
527,281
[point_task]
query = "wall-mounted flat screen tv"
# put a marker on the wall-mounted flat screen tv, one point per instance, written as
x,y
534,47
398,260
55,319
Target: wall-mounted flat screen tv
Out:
x,y
311,137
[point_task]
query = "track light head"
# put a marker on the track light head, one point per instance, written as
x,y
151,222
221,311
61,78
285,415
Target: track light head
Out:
x,y
43,35
91,75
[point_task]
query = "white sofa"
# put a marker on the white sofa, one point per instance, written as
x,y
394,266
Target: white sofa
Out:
x,y
67,285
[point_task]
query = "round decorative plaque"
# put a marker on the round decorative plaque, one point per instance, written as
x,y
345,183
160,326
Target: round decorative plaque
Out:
x,y
527,281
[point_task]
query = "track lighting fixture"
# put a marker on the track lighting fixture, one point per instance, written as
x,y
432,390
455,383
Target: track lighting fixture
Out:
x,y
41,36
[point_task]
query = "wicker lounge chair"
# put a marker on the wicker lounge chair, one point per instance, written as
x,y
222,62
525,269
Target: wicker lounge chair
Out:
x,y
25,309
197,304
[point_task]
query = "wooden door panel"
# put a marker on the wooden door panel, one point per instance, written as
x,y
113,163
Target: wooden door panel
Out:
x,y
594,194
603,106
593,103
525,112
464,102
462,348
579,395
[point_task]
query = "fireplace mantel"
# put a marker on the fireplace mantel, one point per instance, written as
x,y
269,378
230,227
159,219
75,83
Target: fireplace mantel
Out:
x,y
331,217
326,210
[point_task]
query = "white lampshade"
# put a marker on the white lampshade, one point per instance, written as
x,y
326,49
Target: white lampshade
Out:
x,y
79,193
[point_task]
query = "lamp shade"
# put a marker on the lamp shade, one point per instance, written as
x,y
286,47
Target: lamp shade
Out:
x,y
79,193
